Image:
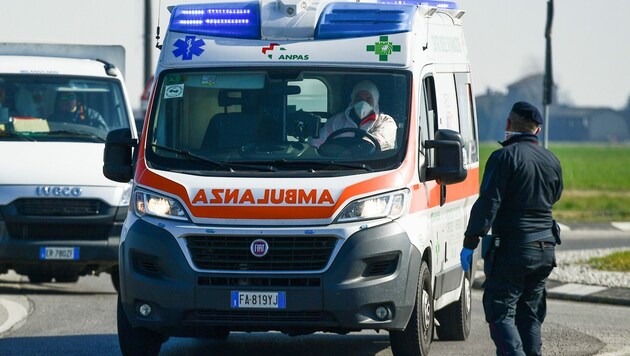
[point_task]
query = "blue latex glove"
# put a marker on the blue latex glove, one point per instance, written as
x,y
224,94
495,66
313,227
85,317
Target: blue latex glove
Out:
x,y
465,258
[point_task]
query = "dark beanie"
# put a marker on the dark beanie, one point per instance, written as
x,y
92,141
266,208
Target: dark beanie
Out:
x,y
528,111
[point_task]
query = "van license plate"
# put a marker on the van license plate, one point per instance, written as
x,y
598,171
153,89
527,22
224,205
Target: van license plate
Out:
x,y
59,253
265,300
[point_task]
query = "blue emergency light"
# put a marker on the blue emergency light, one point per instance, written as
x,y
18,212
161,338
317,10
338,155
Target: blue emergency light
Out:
x,y
345,20
449,5
234,20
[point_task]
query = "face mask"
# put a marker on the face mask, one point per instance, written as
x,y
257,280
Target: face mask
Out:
x,y
362,109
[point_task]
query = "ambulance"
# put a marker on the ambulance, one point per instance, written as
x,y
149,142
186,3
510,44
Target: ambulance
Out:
x,y
239,222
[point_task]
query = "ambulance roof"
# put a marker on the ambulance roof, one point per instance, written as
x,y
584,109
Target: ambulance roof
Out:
x,y
381,33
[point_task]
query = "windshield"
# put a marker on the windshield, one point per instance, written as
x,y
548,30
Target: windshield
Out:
x,y
60,108
279,120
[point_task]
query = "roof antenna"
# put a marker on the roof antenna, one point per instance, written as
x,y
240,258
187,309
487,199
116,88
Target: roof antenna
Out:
x,y
157,30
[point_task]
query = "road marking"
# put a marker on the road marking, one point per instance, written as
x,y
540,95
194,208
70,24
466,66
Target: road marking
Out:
x,y
576,289
16,314
623,226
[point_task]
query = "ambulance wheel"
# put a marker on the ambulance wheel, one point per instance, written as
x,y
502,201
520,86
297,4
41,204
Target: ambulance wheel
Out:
x,y
455,318
40,277
418,334
356,144
136,340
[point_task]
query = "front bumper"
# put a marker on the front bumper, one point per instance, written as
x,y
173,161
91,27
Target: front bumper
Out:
x,y
374,267
95,240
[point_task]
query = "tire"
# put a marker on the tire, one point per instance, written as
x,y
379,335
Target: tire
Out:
x,y
416,339
115,278
136,341
40,278
455,319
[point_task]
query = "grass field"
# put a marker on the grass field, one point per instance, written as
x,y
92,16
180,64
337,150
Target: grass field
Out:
x,y
596,181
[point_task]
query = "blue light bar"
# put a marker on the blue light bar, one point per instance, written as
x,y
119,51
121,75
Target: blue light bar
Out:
x,y
344,20
235,20
450,5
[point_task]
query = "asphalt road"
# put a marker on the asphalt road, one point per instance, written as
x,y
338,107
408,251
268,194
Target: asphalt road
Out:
x,y
80,319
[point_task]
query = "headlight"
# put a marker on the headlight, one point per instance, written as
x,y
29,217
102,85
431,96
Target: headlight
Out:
x,y
391,205
146,203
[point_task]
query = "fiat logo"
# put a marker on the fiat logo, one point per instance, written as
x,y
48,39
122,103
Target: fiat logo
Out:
x,y
259,248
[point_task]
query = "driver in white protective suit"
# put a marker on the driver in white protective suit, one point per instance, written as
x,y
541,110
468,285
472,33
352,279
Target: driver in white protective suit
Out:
x,y
363,112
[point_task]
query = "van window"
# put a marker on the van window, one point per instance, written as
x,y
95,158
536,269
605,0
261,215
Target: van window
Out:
x,y
271,116
60,108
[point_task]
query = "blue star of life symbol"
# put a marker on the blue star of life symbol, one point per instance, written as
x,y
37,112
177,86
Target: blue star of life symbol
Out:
x,y
188,47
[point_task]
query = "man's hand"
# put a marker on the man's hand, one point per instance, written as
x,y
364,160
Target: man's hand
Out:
x,y
465,258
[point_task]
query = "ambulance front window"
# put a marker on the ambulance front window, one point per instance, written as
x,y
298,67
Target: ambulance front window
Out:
x,y
279,121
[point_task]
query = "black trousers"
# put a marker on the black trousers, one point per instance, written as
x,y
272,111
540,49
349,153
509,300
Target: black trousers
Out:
x,y
514,298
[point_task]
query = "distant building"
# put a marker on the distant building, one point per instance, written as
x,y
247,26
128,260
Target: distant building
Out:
x,y
567,123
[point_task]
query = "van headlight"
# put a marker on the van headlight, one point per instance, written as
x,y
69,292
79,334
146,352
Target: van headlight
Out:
x,y
389,205
147,203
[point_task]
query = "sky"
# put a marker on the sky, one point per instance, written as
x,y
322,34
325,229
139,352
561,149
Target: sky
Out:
x,y
591,48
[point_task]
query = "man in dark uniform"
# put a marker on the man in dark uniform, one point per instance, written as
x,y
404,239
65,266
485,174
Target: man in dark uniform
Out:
x,y
69,109
520,184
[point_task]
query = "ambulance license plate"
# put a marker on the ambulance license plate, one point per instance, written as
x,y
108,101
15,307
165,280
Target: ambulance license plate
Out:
x,y
264,300
59,253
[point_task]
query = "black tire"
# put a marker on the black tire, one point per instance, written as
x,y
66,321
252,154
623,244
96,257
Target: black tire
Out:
x,y
136,341
40,277
416,339
67,278
115,278
454,319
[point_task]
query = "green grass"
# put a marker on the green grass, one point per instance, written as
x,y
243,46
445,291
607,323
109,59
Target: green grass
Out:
x,y
596,181
618,261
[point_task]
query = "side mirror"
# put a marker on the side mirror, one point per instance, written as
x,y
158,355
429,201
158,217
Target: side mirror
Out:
x,y
117,157
449,158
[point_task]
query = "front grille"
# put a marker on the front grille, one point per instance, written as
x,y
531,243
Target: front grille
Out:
x,y
253,316
286,253
259,282
58,231
58,207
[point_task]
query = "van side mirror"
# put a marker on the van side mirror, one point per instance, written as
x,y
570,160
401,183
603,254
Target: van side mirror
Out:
x,y
117,157
449,158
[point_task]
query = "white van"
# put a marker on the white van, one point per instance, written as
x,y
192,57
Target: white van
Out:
x,y
242,221
59,217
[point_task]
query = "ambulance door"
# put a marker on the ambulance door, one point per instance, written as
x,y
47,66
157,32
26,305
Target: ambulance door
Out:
x,y
447,221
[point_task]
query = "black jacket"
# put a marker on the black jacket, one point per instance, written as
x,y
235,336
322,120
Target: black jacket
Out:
x,y
520,184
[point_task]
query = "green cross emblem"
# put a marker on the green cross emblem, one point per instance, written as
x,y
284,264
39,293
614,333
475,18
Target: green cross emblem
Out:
x,y
383,48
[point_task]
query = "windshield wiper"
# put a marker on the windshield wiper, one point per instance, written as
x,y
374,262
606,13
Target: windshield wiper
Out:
x,y
362,166
77,133
18,135
318,164
214,164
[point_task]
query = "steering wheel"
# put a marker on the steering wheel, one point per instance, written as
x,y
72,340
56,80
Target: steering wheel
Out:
x,y
336,144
